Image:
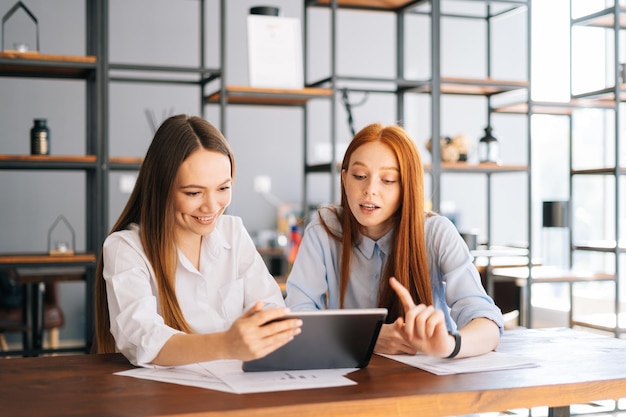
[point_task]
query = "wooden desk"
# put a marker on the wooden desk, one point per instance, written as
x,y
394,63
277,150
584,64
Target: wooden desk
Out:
x,y
575,367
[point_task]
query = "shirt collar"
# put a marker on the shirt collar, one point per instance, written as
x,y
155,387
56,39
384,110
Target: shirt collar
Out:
x,y
215,240
212,245
367,245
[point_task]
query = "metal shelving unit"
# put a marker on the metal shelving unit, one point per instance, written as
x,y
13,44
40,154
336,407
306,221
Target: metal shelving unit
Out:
x,y
237,95
119,72
612,19
436,86
85,69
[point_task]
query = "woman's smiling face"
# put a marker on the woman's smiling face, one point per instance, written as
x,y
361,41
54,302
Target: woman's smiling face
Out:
x,y
372,186
202,191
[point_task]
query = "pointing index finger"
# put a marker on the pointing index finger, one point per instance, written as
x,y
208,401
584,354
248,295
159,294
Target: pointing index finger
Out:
x,y
403,294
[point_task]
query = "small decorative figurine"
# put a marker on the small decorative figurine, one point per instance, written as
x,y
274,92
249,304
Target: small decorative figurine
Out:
x,y
453,149
21,47
64,241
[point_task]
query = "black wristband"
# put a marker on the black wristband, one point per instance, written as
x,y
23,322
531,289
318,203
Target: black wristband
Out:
x,y
457,344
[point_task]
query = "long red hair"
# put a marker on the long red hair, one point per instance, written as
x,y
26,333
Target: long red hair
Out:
x,y
407,260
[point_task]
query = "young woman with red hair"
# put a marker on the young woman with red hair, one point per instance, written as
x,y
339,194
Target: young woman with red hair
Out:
x,y
379,248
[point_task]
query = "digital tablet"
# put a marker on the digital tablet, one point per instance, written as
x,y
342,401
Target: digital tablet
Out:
x,y
329,339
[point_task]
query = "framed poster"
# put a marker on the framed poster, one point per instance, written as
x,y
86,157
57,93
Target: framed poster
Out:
x,y
275,52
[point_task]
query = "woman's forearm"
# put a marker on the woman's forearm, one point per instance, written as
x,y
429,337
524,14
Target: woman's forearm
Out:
x,y
479,336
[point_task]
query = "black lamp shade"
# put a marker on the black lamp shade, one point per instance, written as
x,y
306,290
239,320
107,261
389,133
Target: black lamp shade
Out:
x,y
556,214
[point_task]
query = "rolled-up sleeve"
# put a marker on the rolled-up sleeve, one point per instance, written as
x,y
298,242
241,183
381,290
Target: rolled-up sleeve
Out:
x,y
455,278
139,331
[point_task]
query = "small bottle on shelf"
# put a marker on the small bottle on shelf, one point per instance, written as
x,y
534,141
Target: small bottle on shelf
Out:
x,y
40,138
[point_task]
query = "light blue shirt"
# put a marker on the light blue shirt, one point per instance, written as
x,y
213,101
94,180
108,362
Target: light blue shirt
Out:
x,y
313,282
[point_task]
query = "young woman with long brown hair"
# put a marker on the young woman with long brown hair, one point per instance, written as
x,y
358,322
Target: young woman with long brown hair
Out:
x,y
379,248
178,281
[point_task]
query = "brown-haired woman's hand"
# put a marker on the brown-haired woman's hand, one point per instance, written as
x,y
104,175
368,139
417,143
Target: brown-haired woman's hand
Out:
x,y
422,327
259,332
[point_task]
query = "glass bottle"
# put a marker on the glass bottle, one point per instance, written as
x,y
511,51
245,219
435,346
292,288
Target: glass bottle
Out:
x,y
488,148
40,138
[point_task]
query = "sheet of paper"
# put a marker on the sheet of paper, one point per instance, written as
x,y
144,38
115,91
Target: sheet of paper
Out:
x,y
246,382
227,376
275,52
192,375
492,361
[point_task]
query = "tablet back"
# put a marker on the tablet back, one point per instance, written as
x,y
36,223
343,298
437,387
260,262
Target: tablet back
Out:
x,y
329,339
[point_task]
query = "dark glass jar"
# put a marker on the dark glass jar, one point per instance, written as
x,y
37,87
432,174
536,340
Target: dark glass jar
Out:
x,y
40,138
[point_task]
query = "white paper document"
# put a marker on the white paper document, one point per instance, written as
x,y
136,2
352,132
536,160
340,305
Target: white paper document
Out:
x,y
492,361
275,52
227,376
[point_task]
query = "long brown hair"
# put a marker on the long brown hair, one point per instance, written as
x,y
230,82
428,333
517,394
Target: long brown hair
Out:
x,y
150,206
407,260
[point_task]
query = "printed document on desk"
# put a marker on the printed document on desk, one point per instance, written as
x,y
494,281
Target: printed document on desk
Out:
x,y
227,376
492,361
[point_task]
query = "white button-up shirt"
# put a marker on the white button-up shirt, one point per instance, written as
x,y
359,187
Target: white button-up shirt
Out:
x,y
232,277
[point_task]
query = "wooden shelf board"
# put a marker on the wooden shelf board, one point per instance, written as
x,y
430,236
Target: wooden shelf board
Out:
x,y
131,160
48,158
566,108
477,168
32,55
34,63
605,19
606,94
475,86
276,96
602,321
44,258
375,4
293,97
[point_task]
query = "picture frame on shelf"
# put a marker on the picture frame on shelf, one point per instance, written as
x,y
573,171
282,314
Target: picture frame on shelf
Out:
x,y
275,52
